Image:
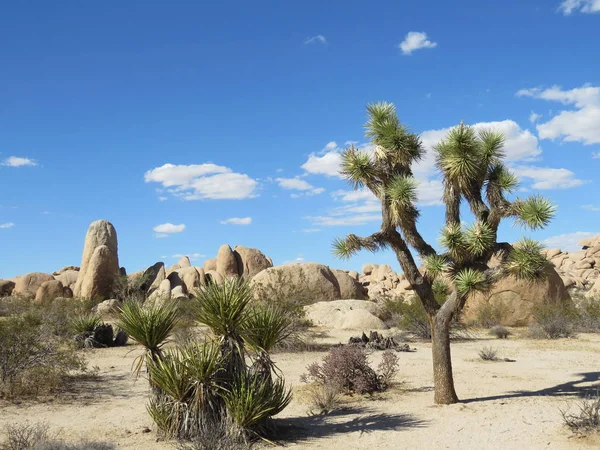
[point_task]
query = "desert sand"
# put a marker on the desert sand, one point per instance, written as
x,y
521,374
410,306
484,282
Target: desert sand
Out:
x,y
505,405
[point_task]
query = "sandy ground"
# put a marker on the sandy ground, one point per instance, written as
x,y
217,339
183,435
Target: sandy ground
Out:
x,y
505,405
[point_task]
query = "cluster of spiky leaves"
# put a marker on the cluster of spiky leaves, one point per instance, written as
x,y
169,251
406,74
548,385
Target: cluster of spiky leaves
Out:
x,y
210,382
525,260
471,164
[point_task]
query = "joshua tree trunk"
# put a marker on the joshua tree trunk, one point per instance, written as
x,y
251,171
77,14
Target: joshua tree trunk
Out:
x,y
442,363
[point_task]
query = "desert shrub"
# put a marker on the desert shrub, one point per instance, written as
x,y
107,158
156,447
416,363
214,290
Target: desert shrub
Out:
x,y
127,288
36,437
32,360
347,369
500,332
587,419
387,368
490,315
488,354
324,398
85,323
588,309
554,322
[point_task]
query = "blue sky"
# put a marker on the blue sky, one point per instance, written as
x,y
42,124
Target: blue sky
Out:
x,y
193,124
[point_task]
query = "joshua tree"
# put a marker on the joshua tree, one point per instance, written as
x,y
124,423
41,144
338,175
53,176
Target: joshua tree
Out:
x,y
474,176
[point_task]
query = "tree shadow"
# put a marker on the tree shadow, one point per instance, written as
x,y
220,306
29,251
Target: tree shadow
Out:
x,y
569,389
342,421
90,388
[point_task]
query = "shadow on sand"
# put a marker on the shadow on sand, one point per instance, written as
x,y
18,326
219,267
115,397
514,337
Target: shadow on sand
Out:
x,y
570,389
341,422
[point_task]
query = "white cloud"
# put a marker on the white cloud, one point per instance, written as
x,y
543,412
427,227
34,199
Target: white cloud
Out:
x,y
298,184
298,260
533,117
327,164
168,228
318,39
596,155
7,225
237,221
161,235
415,40
311,230
591,208
584,6
430,193
15,161
569,241
358,219
202,181
163,199
548,178
578,125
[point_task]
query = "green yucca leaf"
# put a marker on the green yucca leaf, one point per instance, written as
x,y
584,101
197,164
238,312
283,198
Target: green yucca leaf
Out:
x,y
401,191
435,265
459,156
358,168
453,239
267,327
253,399
492,143
525,260
223,307
479,238
534,212
149,325
342,249
499,176
468,281
85,323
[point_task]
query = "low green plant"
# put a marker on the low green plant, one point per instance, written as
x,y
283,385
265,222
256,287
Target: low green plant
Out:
x,y
85,323
588,309
490,315
37,437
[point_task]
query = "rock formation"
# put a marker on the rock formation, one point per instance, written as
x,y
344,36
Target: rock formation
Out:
x,y
99,263
28,285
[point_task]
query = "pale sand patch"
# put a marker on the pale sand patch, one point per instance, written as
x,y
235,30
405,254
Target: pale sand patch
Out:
x,y
506,405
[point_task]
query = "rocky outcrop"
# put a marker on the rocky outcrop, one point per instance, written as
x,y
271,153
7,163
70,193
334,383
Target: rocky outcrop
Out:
x,y
68,277
153,276
349,287
227,263
210,264
184,261
6,288
163,292
49,290
251,261
190,278
28,285
579,269
99,263
348,315
304,283
101,271
107,308
515,300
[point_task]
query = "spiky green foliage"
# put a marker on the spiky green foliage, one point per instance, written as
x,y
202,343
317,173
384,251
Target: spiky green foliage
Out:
x,y
393,141
492,144
222,308
525,260
342,248
267,327
358,168
470,280
479,238
459,157
435,265
252,400
85,323
535,212
453,239
499,176
149,325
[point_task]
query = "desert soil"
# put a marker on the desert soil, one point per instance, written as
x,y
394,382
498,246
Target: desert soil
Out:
x,y
505,405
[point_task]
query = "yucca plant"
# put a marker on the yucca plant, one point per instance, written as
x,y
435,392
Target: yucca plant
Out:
x,y
85,323
149,325
265,328
252,401
224,309
470,163
188,382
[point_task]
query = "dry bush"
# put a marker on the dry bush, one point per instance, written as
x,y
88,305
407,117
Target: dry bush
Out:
x,y
36,437
347,368
554,322
500,332
324,398
587,419
488,354
588,309
32,360
490,315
